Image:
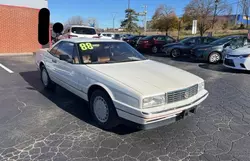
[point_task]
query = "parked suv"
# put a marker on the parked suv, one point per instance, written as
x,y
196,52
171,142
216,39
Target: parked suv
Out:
x,y
154,43
79,31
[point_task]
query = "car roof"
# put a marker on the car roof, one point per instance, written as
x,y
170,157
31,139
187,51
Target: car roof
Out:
x,y
79,40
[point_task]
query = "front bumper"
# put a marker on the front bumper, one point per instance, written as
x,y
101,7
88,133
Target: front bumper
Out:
x,y
157,118
237,63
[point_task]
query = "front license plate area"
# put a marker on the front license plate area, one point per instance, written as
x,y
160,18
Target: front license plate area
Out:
x,y
185,113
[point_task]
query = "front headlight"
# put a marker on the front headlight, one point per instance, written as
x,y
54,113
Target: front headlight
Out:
x,y
154,101
201,86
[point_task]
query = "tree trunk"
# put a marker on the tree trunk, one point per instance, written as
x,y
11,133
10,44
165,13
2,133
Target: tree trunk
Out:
x,y
166,33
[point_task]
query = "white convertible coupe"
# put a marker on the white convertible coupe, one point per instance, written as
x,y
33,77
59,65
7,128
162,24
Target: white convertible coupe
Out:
x,y
119,83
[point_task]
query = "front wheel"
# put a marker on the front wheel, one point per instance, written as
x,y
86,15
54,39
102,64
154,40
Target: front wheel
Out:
x,y
46,81
214,58
175,53
103,110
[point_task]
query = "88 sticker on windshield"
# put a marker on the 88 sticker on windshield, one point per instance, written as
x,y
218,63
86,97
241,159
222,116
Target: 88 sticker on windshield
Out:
x,y
86,46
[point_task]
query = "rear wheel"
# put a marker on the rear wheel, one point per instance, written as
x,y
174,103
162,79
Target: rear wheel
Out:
x,y
103,110
214,58
175,53
46,81
154,50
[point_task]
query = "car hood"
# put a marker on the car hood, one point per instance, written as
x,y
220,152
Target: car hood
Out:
x,y
240,51
148,77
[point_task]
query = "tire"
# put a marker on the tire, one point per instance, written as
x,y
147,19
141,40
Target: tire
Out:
x,y
46,81
175,53
99,103
154,50
214,58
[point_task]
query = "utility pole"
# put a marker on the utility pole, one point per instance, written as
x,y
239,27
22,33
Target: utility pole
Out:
x,y
215,9
114,14
128,4
145,19
236,15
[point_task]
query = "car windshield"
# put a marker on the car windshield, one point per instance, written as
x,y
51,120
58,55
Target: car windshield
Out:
x,y
108,52
83,30
221,41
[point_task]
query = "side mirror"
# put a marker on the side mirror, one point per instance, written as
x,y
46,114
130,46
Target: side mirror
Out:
x,y
66,58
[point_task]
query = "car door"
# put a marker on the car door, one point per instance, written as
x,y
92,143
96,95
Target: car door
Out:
x,y
66,72
193,42
50,61
160,41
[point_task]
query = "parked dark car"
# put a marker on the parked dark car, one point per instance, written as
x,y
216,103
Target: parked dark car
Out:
x,y
125,36
213,51
153,44
132,40
184,46
117,37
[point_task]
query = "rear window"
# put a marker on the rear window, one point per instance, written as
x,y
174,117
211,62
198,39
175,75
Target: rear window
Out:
x,y
147,38
83,30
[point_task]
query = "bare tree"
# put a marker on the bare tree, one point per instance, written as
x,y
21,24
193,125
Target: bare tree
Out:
x,y
203,11
75,20
164,19
92,22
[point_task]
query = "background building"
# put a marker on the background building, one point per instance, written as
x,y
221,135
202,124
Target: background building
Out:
x,y
19,25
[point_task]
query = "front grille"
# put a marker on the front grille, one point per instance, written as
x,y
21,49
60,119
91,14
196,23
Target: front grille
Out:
x,y
180,95
229,62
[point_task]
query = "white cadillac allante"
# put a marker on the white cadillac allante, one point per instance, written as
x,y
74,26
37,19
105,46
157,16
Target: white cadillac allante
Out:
x,y
120,84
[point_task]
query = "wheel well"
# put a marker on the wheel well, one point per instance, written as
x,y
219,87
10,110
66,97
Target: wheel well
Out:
x,y
93,88
40,65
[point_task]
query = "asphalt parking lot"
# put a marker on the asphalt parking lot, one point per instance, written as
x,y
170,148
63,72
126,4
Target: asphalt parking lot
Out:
x,y
40,125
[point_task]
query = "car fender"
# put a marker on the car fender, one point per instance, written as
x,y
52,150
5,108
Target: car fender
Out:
x,y
104,87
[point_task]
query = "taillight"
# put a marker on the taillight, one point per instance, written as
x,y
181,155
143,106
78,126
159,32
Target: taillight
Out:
x,y
71,36
145,42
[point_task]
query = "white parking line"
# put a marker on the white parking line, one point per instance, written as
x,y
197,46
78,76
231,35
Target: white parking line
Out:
x,y
5,68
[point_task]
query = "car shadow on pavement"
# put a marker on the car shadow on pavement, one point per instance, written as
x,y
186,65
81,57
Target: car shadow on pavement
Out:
x,y
187,59
68,102
221,68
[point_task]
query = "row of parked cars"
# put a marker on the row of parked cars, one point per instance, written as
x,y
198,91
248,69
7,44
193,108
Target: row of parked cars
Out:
x,y
208,49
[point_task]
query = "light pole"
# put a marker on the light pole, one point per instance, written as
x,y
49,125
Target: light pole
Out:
x,y
128,4
216,5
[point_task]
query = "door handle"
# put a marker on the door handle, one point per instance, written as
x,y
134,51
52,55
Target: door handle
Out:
x,y
53,60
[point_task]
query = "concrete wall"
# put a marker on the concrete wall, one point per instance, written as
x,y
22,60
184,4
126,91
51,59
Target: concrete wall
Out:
x,y
37,4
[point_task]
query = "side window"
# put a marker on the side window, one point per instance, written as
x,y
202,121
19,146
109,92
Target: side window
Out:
x,y
191,41
169,40
160,38
198,40
67,48
207,40
54,49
